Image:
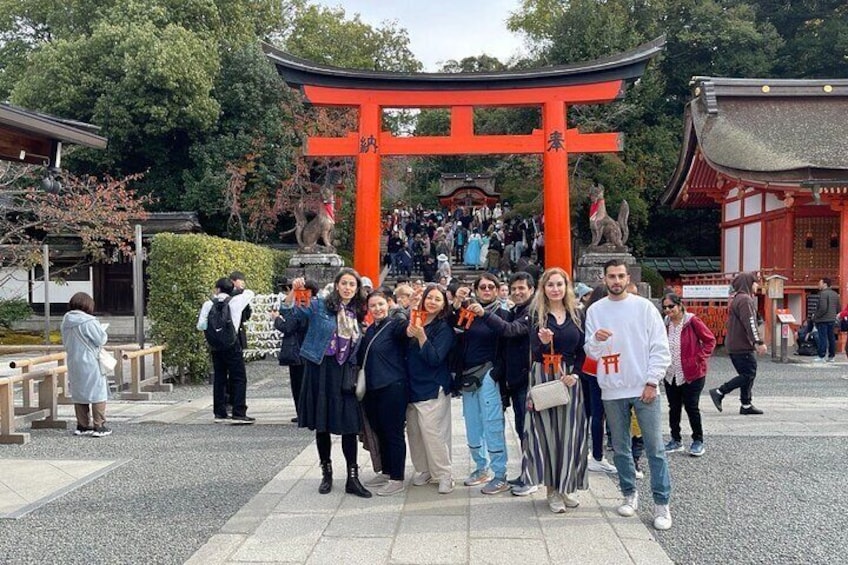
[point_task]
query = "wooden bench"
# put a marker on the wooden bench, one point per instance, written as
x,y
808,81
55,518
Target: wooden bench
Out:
x,y
44,415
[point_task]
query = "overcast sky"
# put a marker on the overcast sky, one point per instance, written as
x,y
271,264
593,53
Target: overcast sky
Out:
x,y
440,30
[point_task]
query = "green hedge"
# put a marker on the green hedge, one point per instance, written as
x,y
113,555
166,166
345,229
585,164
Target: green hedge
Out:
x,y
654,280
183,270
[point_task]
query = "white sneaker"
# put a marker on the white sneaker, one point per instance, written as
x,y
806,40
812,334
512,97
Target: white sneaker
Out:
x,y
570,501
421,479
630,505
555,503
602,466
640,474
390,488
662,517
378,480
446,486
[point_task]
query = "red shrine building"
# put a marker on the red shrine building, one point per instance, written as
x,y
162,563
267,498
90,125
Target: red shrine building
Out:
x,y
467,190
552,90
773,156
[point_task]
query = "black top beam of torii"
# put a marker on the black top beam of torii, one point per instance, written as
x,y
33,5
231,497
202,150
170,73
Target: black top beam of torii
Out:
x,y
627,66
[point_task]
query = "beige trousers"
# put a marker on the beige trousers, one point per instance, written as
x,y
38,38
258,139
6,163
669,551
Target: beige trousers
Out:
x,y
95,419
428,427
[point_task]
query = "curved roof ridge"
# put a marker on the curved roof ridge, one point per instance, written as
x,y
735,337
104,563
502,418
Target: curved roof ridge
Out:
x,y
628,65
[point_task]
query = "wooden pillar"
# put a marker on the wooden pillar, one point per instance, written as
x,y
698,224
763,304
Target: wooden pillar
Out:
x,y
366,238
843,249
555,181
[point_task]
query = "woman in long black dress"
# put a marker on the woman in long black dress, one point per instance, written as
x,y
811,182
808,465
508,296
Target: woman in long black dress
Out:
x,y
556,446
328,403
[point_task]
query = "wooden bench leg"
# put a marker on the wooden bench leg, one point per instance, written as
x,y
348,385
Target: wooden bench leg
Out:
x,y
7,417
48,400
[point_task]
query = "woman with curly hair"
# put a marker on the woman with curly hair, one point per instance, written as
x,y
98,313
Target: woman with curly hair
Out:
x,y
328,403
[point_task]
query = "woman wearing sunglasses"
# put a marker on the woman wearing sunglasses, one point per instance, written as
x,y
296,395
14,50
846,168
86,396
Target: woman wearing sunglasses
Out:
x,y
691,342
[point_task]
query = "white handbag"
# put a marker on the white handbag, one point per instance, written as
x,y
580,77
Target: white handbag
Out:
x,y
550,394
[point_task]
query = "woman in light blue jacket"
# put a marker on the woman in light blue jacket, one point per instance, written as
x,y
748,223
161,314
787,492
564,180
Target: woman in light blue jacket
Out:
x,y
83,336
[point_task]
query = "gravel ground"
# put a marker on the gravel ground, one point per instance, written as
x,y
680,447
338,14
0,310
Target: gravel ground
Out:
x,y
757,500
773,500
181,484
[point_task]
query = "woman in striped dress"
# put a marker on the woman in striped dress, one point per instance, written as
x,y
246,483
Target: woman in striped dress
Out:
x,y
556,447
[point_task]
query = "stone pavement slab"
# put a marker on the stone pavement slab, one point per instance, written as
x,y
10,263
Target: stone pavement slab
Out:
x,y
27,484
289,522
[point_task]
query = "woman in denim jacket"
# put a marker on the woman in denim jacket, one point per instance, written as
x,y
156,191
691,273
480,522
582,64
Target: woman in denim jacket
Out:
x,y
327,402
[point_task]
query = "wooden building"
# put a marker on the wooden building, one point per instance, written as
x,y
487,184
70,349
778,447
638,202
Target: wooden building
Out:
x,y
773,156
467,191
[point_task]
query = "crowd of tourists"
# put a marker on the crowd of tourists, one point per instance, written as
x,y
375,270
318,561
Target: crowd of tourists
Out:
x,y
429,242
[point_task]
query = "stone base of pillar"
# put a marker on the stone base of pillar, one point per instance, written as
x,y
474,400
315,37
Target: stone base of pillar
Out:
x,y
590,266
320,267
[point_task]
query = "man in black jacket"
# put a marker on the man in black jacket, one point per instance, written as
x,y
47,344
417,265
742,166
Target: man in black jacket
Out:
x,y
825,319
513,364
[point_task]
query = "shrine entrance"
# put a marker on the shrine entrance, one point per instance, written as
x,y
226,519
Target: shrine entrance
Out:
x,y
552,89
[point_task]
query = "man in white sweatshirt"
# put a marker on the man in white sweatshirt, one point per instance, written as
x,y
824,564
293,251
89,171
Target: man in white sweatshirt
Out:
x,y
626,334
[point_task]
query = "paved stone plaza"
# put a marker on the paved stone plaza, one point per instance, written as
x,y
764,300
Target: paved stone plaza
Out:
x,y
172,487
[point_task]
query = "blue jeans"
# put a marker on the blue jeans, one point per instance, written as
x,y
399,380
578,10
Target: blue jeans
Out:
x,y
484,426
826,339
648,416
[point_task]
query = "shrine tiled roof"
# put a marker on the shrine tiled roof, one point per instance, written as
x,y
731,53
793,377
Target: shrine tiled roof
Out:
x,y
44,125
682,265
767,131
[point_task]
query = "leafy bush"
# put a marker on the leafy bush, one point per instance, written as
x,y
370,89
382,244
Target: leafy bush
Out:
x,y
13,310
183,270
654,280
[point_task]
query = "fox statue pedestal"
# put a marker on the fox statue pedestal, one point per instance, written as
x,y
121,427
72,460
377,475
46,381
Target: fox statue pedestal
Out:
x,y
320,267
590,266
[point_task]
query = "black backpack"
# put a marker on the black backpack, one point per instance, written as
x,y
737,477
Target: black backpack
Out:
x,y
220,333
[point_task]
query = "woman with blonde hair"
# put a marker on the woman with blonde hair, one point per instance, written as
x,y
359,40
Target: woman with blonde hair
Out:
x,y
556,446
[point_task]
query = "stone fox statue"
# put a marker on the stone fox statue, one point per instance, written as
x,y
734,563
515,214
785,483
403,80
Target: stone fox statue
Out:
x,y
604,227
320,229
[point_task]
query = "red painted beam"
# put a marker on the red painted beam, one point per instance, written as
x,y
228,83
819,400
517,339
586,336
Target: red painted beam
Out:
x,y
576,94
576,142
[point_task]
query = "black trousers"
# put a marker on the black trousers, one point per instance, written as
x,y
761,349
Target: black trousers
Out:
x,y
386,411
296,380
686,395
230,376
746,365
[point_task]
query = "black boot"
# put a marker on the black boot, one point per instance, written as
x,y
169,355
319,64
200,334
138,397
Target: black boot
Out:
x,y
353,486
326,478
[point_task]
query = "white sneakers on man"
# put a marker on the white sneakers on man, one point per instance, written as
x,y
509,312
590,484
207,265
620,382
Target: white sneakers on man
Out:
x,y
662,517
555,502
421,479
630,505
602,466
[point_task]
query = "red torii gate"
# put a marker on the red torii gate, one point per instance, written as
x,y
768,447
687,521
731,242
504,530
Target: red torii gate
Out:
x,y
551,88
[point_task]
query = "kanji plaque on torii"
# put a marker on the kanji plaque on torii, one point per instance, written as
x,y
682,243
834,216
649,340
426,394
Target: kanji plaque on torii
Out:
x,y
552,89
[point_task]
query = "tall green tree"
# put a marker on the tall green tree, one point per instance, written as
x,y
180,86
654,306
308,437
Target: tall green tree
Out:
x,y
719,37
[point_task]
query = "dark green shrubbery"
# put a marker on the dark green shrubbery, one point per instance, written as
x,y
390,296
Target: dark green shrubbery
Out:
x,y
183,270
13,310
